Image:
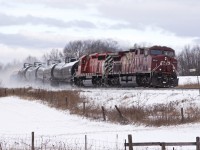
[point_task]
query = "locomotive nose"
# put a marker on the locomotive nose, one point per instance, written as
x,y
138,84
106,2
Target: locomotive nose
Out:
x,y
162,63
166,65
167,60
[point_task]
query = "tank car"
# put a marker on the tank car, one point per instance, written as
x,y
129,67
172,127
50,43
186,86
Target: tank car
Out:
x,y
64,72
23,72
29,71
47,72
54,72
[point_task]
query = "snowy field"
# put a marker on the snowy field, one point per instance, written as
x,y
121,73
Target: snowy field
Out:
x,y
20,117
188,80
140,97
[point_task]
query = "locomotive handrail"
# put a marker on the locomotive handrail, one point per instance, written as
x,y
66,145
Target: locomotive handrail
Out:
x,y
156,67
161,64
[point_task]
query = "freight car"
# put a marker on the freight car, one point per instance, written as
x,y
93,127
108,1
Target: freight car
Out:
x,y
28,72
54,72
155,66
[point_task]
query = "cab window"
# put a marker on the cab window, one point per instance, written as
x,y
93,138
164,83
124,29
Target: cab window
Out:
x,y
169,53
156,52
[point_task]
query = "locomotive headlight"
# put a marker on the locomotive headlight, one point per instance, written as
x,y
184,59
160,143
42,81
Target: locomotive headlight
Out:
x,y
160,69
165,58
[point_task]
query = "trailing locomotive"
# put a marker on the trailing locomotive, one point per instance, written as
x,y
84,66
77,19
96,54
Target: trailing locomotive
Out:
x,y
155,66
148,67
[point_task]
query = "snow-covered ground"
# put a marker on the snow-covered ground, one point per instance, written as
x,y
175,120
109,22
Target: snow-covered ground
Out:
x,y
20,117
142,97
188,80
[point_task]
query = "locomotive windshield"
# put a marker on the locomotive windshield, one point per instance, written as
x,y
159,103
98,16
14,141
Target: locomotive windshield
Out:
x,y
161,52
156,52
169,53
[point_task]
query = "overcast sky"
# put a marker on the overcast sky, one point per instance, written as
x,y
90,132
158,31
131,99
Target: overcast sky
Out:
x,y
33,27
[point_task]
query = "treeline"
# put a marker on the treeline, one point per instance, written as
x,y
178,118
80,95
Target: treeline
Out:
x,y
74,49
78,48
189,58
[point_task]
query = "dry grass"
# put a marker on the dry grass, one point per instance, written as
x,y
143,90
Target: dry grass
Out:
x,y
192,86
58,99
155,115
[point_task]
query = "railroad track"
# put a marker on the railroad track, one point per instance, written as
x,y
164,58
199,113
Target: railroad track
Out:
x,y
139,88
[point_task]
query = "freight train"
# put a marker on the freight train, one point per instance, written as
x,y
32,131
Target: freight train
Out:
x,y
154,66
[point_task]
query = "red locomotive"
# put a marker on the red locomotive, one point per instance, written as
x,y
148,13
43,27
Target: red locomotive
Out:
x,y
155,66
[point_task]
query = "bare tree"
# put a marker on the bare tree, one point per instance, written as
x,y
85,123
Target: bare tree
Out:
x,y
30,59
140,45
79,48
189,58
75,49
54,54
